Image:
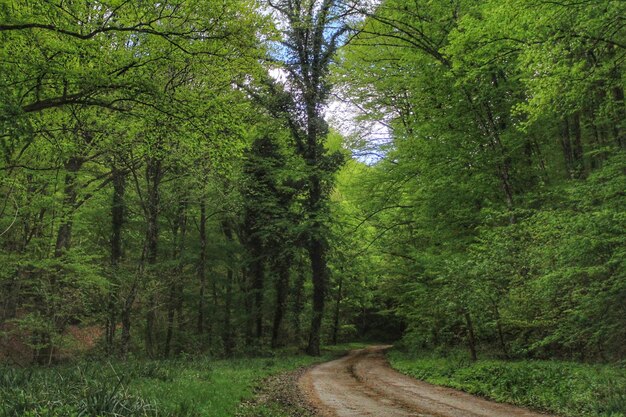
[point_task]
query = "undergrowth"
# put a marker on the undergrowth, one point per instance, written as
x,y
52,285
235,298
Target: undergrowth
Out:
x,y
566,388
139,388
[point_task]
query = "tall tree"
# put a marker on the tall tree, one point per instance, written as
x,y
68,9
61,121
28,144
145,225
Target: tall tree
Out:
x,y
313,30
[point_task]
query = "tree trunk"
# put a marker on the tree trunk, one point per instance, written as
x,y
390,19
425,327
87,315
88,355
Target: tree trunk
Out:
x,y
617,92
619,128
282,284
117,222
298,305
227,335
566,146
247,289
228,306
471,340
70,195
179,233
180,319
542,162
337,308
126,319
495,127
505,350
63,243
171,310
202,267
577,147
153,178
258,271
597,137
317,254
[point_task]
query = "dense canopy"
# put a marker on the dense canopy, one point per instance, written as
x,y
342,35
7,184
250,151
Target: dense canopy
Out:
x,y
171,180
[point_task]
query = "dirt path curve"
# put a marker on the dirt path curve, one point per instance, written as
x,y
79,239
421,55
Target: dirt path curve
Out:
x,y
362,384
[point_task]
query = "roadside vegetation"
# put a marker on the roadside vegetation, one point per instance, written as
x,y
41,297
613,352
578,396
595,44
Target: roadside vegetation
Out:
x,y
566,388
184,387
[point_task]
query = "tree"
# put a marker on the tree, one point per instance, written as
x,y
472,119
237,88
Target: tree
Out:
x,y
503,111
312,33
97,101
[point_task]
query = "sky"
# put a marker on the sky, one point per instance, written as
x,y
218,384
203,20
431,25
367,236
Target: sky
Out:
x,y
362,137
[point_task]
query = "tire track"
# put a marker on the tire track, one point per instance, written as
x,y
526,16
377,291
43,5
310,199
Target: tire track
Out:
x,y
362,384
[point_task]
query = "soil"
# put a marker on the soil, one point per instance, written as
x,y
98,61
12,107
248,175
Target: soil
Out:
x,y
280,393
363,384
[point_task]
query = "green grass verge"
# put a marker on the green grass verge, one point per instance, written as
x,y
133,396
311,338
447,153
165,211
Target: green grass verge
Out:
x,y
566,388
271,407
215,389
180,388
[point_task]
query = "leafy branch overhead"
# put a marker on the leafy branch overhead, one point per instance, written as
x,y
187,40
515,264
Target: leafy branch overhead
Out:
x,y
232,178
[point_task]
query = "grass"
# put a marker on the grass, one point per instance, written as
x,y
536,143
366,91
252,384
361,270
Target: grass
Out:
x,y
566,388
180,388
216,391
279,397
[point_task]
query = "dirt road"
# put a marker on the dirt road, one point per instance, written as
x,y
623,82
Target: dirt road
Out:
x,y
362,384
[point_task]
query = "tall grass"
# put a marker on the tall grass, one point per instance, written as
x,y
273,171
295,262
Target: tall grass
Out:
x,y
139,388
82,390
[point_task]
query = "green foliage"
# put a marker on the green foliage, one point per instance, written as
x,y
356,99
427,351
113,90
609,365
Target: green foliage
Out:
x,y
185,387
89,389
125,100
570,256
566,388
161,194
495,212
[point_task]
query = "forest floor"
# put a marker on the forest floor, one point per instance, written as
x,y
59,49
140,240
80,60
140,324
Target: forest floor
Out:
x,y
182,387
363,384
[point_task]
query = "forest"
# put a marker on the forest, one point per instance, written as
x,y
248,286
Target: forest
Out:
x,y
241,179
